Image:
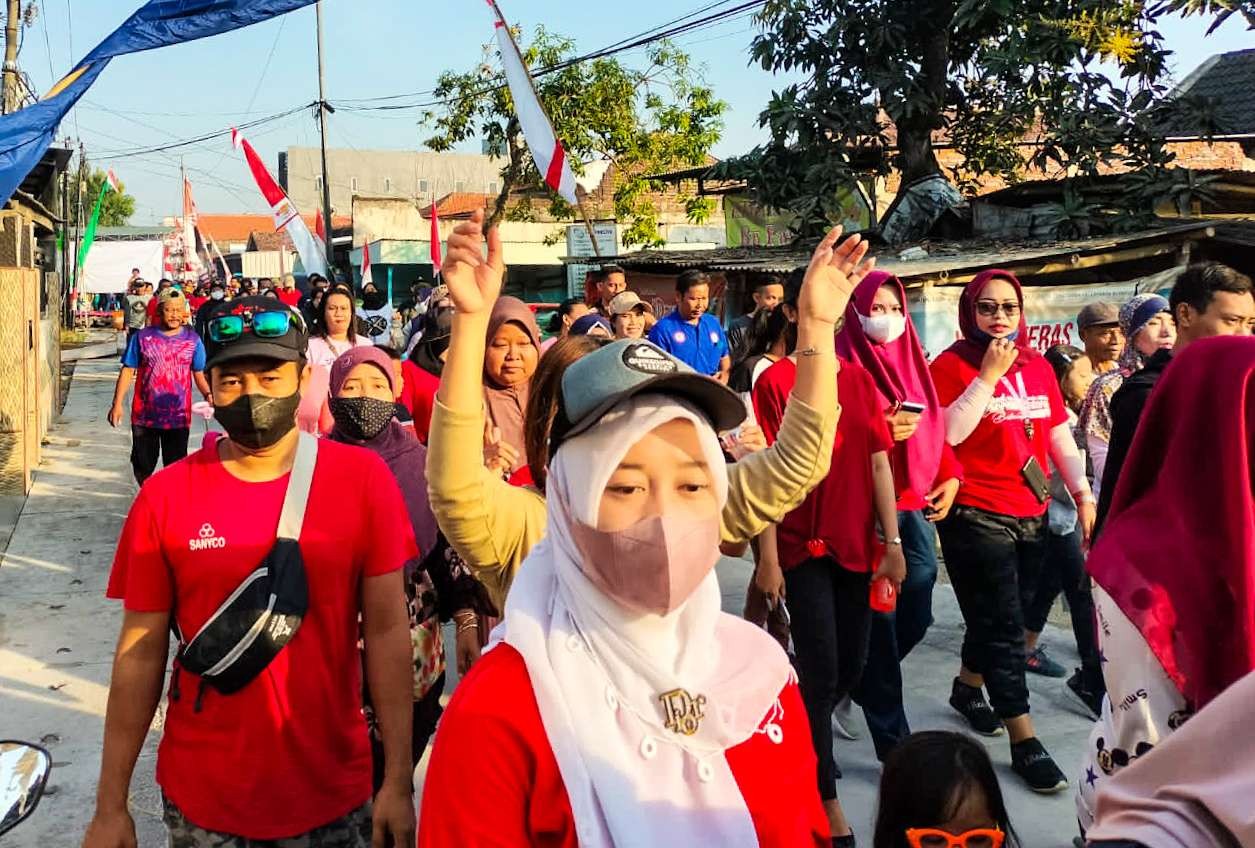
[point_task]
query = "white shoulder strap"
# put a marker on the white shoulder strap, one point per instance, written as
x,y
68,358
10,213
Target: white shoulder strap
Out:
x,y
293,515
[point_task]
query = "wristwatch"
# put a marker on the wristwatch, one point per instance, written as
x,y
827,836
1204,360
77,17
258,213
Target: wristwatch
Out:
x,y
896,540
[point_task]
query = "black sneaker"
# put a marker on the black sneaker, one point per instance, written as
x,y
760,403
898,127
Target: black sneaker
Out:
x,y
1085,699
1040,662
970,702
1031,762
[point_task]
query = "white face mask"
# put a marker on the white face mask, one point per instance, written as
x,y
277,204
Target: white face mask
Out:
x,y
216,294
884,328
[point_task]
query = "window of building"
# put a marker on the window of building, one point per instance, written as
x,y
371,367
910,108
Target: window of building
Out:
x,y
493,188
353,183
459,186
318,183
423,188
387,184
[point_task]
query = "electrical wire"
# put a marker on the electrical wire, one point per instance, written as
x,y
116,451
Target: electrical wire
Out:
x,y
201,139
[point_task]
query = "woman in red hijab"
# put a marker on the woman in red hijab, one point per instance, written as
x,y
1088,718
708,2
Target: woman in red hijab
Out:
x,y
878,334
1174,572
1006,419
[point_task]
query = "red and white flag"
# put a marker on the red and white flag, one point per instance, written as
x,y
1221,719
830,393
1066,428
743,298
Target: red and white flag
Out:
x,y
112,179
435,239
285,214
320,232
542,141
191,259
367,276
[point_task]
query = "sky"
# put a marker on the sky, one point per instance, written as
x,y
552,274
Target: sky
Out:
x,y
374,48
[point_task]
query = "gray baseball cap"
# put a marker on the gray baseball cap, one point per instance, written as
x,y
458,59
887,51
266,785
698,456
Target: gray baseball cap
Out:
x,y
1098,314
595,383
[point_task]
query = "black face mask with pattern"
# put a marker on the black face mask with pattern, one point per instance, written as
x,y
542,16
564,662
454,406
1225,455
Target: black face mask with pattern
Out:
x,y
258,421
361,418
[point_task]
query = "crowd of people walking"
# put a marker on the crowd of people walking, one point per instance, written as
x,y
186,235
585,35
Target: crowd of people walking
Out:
x,y
563,502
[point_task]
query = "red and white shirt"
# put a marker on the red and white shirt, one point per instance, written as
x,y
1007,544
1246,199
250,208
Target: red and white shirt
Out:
x,y
493,778
1016,425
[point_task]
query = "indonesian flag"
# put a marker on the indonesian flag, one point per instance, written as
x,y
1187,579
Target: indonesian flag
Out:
x,y
547,150
320,231
112,180
435,239
191,257
367,277
285,214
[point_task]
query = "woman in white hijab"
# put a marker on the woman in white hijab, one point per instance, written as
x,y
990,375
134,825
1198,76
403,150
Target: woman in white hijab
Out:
x,y
618,706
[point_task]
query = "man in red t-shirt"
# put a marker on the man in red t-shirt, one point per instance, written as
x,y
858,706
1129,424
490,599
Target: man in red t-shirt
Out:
x,y
287,291
287,756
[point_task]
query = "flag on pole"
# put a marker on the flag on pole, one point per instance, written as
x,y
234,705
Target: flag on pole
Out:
x,y
367,277
435,239
193,259
542,141
89,234
320,232
285,214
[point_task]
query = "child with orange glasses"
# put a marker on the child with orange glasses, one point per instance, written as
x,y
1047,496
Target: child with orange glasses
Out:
x,y
939,790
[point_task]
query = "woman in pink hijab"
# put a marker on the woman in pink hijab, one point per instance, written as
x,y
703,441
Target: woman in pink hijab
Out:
x,y
878,335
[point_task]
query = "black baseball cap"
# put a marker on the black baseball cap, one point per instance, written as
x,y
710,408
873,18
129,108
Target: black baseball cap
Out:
x,y
289,347
594,384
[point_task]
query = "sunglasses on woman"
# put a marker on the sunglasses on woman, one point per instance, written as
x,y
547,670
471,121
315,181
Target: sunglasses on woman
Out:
x,y
263,325
990,308
929,837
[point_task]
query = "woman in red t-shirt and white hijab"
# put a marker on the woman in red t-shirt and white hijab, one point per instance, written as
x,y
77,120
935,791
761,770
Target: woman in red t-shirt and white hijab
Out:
x,y
1006,419
619,705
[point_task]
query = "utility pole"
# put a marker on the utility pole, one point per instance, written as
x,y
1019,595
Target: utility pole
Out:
x,y
11,23
323,108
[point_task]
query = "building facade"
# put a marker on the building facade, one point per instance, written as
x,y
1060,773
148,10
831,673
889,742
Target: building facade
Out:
x,y
412,175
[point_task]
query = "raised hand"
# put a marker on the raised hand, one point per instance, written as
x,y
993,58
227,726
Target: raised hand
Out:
x,y
474,282
834,272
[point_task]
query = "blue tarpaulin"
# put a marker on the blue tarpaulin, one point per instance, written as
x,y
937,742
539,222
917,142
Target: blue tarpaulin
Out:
x,y
27,133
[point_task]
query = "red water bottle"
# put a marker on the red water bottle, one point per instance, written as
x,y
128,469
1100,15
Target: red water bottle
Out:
x,y
884,595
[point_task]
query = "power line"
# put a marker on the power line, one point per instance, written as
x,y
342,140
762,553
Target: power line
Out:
x,y
200,139
650,36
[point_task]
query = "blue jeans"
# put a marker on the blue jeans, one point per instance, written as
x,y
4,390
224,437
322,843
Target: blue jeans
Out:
x,y
895,634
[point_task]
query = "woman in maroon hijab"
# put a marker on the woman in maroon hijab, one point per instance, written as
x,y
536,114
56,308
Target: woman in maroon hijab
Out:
x,y
1174,570
1006,419
878,334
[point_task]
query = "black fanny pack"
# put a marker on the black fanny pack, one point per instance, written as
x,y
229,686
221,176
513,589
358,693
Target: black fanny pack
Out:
x,y
263,613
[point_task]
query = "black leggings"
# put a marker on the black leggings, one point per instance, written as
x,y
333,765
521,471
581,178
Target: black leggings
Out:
x,y
830,623
1064,569
992,561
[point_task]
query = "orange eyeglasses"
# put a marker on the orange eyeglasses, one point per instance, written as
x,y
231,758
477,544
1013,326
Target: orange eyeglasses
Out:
x,y
929,837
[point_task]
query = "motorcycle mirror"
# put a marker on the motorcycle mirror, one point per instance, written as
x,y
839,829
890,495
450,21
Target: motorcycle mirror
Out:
x,y
24,770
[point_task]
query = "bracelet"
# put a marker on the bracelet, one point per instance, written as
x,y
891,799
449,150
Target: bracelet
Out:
x,y
468,626
810,351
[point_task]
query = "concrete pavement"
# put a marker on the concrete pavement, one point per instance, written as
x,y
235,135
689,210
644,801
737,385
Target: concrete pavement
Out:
x,y
57,634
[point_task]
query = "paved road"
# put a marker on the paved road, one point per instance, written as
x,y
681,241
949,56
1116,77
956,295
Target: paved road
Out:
x,y
57,634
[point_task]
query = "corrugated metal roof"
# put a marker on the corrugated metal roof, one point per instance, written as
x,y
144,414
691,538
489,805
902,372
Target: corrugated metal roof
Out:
x,y
942,258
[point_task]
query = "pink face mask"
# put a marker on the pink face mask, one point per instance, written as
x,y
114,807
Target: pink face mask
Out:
x,y
652,566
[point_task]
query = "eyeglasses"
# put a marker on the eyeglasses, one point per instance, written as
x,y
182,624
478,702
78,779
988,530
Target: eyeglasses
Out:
x,y
264,325
990,308
928,837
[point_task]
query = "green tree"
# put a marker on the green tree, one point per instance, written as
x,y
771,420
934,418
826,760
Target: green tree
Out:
x,y
644,122
1010,82
118,206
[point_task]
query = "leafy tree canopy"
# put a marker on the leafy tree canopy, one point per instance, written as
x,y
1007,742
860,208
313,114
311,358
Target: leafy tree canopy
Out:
x,y
118,206
1072,87
658,119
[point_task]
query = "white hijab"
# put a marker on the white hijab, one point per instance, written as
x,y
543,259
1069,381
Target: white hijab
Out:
x,y
598,668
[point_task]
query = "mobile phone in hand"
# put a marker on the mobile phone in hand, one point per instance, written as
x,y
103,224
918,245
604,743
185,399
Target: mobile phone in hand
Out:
x,y
913,407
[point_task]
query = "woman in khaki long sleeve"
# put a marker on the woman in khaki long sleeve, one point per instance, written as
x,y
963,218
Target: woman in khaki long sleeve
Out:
x,y
493,525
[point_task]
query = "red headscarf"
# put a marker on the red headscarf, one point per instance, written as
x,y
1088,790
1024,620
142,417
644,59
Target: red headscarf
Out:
x,y
971,347
1177,554
900,371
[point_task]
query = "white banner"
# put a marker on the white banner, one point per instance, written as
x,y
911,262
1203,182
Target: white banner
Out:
x,y
1050,310
109,264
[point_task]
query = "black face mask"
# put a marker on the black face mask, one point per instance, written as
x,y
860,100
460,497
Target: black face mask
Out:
x,y
258,421
374,300
361,418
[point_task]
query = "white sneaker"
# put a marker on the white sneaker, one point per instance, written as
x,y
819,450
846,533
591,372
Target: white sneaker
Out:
x,y
843,720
